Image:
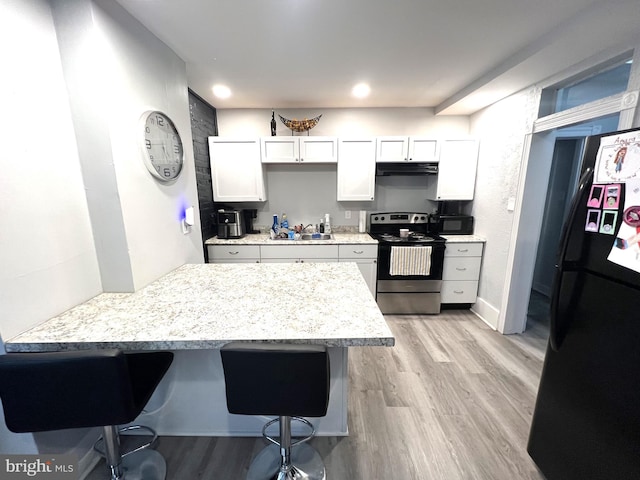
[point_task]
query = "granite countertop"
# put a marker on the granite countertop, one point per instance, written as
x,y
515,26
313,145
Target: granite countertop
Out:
x,y
263,239
463,238
205,306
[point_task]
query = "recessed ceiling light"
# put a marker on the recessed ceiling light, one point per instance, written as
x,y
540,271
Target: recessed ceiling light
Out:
x,y
221,91
361,90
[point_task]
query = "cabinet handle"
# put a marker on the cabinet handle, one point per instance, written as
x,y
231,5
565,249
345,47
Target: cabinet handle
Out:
x,y
461,269
459,292
302,159
375,261
463,250
411,159
358,252
301,261
233,253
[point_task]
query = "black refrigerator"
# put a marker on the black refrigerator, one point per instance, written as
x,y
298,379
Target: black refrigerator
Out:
x,y
586,422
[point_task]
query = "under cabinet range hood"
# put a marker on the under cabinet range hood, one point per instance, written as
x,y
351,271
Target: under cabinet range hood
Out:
x,y
406,168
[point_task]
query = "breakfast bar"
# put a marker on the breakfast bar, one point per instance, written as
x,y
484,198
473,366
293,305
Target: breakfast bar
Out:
x,y
197,308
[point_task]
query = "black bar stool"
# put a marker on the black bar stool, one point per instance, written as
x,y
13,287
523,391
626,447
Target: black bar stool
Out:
x,y
288,381
86,388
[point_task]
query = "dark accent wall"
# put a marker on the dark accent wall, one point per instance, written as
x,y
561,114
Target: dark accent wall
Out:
x,y
204,123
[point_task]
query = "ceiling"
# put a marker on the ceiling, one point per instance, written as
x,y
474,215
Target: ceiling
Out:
x,y
456,56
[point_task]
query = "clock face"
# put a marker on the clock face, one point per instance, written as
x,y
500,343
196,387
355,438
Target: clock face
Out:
x,y
162,147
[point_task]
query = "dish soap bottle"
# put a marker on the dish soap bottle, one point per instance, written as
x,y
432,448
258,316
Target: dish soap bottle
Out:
x,y
327,223
285,222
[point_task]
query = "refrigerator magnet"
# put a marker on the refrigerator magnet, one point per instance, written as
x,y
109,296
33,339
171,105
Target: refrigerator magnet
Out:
x,y
631,216
593,220
608,223
595,197
612,196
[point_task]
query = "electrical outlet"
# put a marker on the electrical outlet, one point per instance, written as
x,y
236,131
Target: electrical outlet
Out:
x,y
347,214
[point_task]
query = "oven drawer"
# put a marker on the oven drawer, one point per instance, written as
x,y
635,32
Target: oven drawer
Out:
x,y
409,286
409,303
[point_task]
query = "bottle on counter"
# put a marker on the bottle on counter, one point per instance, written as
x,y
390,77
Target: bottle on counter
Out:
x,y
327,223
273,123
321,226
275,228
285,222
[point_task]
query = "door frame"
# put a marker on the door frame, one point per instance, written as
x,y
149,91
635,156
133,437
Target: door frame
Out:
x,y
531,194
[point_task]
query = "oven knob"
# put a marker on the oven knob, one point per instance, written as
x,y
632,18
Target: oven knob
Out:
x,y
381,218
376,218
415,219
423,218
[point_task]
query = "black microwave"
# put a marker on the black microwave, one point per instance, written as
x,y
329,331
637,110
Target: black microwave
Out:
x,y
451,224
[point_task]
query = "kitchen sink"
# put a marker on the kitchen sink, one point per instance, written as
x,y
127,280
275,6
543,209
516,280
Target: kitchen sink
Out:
x,y
316,236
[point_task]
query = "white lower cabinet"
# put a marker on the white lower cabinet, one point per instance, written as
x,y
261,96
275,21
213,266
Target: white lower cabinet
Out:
x,y
462,262
233,253
366,256
298,253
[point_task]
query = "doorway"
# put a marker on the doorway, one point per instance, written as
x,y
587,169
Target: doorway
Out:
x,y
563,182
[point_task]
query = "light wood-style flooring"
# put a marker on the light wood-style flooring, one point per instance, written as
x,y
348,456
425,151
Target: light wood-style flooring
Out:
x,y
452,400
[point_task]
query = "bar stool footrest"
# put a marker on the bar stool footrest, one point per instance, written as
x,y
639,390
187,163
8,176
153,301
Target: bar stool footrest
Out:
x,y
149,431
294,442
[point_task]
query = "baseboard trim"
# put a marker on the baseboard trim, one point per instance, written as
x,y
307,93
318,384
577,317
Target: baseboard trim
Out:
x,y
486,312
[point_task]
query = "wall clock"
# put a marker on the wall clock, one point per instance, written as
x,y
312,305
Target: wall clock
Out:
x,y
162,147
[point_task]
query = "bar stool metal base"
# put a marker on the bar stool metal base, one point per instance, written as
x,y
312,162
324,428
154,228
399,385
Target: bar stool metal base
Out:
x,y
306,464
145,464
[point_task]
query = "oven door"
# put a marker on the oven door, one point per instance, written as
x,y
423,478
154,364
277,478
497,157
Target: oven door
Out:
x,y
409,294
384,263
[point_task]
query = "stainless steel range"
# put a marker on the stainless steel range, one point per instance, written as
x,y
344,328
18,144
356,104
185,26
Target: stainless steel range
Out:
x,y
410,263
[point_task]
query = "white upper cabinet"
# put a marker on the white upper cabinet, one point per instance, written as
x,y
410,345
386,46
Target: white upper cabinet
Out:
x,y
356,169
406,149
237,175
299,149
456,171
392,149
423,149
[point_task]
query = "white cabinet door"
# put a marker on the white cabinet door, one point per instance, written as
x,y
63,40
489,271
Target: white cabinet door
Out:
x,y
280,149
392,149
356,169
318,149
237,174
299,149
423,149
456,171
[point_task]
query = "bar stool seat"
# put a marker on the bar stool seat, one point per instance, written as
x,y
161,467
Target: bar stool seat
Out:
x,y
86,388
287,381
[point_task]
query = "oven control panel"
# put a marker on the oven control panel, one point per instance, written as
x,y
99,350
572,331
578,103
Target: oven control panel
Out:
x,y
391,218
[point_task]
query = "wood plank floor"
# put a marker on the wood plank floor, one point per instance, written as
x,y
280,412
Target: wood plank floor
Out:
x,y
452,400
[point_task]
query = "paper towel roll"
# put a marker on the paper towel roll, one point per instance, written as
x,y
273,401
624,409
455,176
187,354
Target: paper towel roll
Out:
x,y
362,222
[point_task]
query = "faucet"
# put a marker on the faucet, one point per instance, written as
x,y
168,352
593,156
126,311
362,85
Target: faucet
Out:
x,y
304,228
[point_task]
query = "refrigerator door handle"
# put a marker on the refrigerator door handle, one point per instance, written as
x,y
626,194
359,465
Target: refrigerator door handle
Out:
x,y
557,314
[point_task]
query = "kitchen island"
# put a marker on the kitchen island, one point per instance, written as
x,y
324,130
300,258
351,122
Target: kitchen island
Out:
x,y
196,309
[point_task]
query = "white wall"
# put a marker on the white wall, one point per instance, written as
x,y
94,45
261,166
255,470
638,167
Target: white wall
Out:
x,y
306,192
115,70
47,251
502,128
